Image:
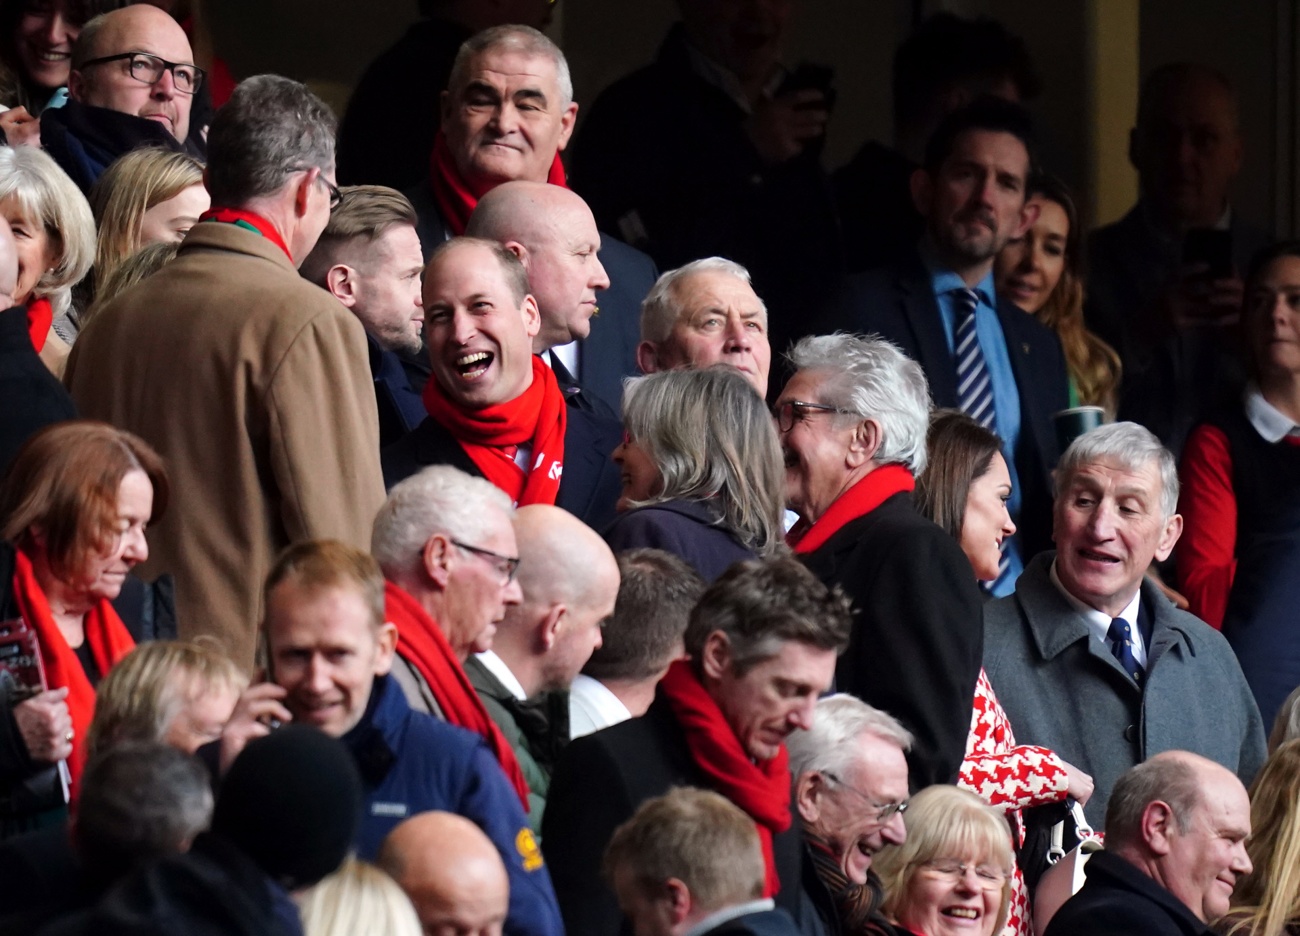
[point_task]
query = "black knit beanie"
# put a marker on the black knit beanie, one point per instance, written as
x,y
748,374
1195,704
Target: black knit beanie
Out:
x,y
291,802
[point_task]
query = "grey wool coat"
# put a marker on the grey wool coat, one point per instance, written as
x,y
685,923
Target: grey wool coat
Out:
x,y
1062,689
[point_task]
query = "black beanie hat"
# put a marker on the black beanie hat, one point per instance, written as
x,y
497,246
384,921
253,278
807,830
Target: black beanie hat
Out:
x,y
291,802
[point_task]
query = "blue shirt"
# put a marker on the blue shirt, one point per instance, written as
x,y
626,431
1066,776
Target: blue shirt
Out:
x,y
1006,395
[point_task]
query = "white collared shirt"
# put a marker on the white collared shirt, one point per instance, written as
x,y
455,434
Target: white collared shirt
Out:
x,y
593,707
497,667
1099,622
1271,423
714,920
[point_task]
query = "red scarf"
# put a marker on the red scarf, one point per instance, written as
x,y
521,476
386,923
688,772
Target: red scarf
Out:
x,y
109,642
249,222
761,789
857,501
422,643
490,435
40,316
455,199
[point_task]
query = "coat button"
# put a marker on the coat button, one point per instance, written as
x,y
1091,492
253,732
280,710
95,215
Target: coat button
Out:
x,y
1131,734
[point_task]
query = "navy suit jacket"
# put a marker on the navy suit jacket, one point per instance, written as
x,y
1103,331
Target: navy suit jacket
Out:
x,y
898,303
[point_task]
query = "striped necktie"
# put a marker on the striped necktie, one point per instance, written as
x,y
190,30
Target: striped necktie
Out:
x,y
974,389
1120,636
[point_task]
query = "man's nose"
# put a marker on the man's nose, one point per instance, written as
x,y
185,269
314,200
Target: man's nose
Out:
x,y
165,87
802,715
894,831
737,333
600,279
318,676
512,594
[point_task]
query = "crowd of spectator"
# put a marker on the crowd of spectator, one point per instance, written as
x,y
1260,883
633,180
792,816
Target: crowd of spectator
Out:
x,y
712,546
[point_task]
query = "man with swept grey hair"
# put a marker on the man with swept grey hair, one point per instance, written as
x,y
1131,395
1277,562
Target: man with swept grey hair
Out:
x,y
850,787
252,383
703,313
1088,657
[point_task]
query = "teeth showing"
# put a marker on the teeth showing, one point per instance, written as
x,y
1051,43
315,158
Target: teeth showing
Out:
x,y
472,365
965,913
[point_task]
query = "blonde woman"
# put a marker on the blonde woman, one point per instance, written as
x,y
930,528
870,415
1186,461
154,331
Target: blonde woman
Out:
x,y
1266,902
357,900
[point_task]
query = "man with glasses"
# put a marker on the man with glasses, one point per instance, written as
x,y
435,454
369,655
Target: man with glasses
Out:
x,y
850,788
132,84
329,652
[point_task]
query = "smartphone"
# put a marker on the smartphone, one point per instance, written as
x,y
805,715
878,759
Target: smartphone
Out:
x,y
1212,248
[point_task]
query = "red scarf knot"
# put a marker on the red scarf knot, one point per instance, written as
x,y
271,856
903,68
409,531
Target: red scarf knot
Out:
x,y
422,643
859,500
453,194
248,220
761,789
537,416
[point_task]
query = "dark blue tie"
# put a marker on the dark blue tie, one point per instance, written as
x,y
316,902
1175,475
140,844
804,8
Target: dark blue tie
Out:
x,y
974,389
1120,636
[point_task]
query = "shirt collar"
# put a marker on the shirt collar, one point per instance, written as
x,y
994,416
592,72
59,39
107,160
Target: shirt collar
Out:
x,y
497,667
1098,621
944,280
714,920
1270,422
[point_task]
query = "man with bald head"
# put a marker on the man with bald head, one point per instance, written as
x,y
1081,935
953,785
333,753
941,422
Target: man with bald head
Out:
x,y
570,583
1176,830
132,84
495,409
552,232
703,313
451,872
34,397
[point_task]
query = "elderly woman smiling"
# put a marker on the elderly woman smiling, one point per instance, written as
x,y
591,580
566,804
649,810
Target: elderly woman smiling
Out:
x,y
953,874
853,423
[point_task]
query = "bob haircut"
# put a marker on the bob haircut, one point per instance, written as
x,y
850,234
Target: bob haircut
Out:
x,y
64,481
45,194
145,690
1267,901
711,436
133,184
958,450
946,822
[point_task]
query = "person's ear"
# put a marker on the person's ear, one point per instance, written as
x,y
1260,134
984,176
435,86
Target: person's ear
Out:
x,y
518,249
550,626
863,444
302,192
532,316
341,281
679,900
1169,537
716,656
808,790
922,187
77,91
568,119
1029,213
647,357
385,647
436,557
1158,827
444,103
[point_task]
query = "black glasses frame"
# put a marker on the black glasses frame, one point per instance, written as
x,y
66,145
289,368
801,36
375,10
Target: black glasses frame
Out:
x,y
163,65
793,411
506,565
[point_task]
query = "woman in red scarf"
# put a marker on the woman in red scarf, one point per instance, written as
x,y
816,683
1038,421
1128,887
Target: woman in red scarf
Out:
x,y
75,505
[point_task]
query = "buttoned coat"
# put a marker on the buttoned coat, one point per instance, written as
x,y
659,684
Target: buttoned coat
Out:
x,y
1064,690
254,386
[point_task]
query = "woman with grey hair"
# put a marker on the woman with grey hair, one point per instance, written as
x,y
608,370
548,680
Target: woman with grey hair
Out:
x,y
852,424
701,470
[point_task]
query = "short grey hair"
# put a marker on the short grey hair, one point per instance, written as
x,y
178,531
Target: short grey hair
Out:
x,y
522,39
439,499
48,197
829,745
1170,780
871,378
271,126
1130,445
662,305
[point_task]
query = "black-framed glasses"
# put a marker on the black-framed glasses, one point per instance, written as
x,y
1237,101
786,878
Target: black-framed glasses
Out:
x,y
335,195
884,811
148,69
506,565
793,411
989,877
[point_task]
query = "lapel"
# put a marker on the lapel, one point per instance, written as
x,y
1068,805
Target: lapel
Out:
x,y
574,398
921,310
582,464
1026,366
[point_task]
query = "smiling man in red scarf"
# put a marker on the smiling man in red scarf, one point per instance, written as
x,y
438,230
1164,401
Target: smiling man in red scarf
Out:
x,y
762,644
495,409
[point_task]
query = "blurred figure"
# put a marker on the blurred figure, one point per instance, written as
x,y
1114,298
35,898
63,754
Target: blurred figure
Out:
x,y
1266,901
853,420
569,581
656,593
1286,727
702,471
357,900
76,500
1165,290
135,269
691,862
1042,272
946,63
703,313
953,873
55,235
850,781
1176,831
451,873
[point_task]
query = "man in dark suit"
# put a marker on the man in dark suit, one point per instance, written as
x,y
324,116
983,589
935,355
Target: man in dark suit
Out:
x,y
762,644
507,114
980,353
1176,836
495,409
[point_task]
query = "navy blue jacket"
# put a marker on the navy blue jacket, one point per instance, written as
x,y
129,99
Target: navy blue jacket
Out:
x,y
413,763
400,407
685,528
1117,899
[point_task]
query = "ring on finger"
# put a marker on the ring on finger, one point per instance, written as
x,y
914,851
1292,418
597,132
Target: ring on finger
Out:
x,y
68,736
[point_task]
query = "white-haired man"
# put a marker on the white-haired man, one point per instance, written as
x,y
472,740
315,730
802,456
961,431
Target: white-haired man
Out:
x,y
1088,657
850,787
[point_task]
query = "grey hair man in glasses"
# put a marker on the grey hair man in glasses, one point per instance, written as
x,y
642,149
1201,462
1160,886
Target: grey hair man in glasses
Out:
x,y
132,84
850,788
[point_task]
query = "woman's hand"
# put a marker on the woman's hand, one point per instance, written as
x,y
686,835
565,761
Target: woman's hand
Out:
x,y
46,725
1079,784
257,711
20,128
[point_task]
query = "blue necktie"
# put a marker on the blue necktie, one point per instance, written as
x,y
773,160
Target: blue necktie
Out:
x,y
1120,636
974,389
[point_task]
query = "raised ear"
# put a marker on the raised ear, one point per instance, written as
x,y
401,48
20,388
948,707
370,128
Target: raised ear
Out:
x,y
518,249
1169,537
1158,827
568,120
647,357
864,444
435,556
386,646
550,626
715,657
77,90
807,795
679,900
302,192
1028,216
341,281
532,316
